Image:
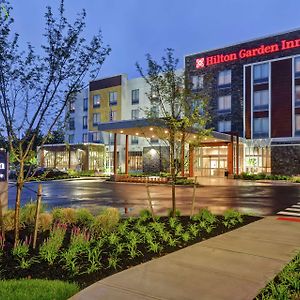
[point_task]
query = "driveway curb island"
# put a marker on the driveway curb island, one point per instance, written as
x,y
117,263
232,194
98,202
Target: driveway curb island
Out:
x,y
234,265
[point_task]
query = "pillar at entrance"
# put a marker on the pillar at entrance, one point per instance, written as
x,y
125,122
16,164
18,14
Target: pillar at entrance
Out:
x,y
126,155
230,157
115,154
191,160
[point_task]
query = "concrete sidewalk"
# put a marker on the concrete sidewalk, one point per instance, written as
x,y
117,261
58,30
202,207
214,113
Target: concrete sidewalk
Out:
x,y
235,265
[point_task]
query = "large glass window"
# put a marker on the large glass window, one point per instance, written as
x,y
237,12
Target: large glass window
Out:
x,y
224,103
197,82
224,126
113,98
135,96
261,100
260,127
261,73
85,104
134,140
71,123
297,124
84,122
297,96
96,101
96,119
85,138
297,66
224,78
134,114
71,139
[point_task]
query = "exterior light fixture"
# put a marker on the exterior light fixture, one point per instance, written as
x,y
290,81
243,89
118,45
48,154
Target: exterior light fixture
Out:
x,y
166,131
121,131
136,133
151,128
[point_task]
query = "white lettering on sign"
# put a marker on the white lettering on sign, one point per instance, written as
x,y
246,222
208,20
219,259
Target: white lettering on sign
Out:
x,y
2,166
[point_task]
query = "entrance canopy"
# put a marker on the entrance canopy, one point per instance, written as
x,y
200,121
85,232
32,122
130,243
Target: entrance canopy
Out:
x,y
157,129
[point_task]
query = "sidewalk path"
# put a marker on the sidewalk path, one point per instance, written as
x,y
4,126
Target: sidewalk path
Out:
x,y
235,265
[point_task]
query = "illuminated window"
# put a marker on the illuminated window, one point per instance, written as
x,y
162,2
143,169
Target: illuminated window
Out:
x,y
224,126
96,101
85,104
261,100
297,66
113,98
261,73
224,78
135,114
197,82
224,103
72,106
297,124
96,119
260,127
135,96
84,122
134,140
154,140
96,137
297,96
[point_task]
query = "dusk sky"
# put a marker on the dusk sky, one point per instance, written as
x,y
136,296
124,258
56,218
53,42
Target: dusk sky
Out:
x,y
135,27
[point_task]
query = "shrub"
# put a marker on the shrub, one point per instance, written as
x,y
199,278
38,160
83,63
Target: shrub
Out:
x,y
145,214
27,214
177,213
8,219
232,218
106,221
84,217
45,221
64,215
206,216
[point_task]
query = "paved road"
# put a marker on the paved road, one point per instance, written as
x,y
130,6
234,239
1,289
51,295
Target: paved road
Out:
x,y
248,197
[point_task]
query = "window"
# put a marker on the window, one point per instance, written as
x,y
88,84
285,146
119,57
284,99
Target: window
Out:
x,y
71,124
96,119
72,106
224,103
261,73
113,98
224,78
113,115
85,104
96,137
297,96
224,126
135,114
96,101
154,140
85,138
197,104
297,66
84,122
297,124
261,100
154,111
135,97
197,82
134,140
71,139
260,127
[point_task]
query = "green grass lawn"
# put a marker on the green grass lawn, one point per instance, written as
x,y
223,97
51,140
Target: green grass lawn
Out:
x,y
36,289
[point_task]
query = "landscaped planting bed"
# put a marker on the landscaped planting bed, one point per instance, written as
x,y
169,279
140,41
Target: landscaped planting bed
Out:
x,y
82,248
286,284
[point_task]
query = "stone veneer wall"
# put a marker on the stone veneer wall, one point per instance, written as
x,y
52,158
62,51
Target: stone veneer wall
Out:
x,y
156,159
285,160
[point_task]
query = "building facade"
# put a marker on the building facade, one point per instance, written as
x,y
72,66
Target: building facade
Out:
x,y
255,93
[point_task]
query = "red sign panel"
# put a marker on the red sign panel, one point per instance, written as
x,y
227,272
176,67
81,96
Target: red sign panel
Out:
x,y
246,53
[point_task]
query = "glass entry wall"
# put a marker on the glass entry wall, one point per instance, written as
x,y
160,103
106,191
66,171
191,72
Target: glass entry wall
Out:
x,y
258,160
135,161
211,161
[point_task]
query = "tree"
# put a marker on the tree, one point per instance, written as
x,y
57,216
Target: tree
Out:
x,y
183,118
35,88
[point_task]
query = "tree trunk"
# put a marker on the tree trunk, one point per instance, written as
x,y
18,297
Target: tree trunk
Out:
x,y
173,174
20,183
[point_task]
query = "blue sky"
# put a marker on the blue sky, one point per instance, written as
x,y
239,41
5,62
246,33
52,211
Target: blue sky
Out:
x,y
135,27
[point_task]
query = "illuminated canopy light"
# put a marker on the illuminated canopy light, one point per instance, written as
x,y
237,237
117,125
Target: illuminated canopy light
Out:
x,y
166,131
136,133
151,129
121,131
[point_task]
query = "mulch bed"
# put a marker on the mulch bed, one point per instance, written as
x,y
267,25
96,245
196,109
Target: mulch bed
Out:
x,y
9,267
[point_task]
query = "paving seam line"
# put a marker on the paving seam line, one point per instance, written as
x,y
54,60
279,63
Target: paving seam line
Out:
x,y
129,290
255,255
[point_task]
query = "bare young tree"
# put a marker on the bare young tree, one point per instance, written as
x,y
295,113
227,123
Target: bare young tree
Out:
x,y
183,115
35,88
